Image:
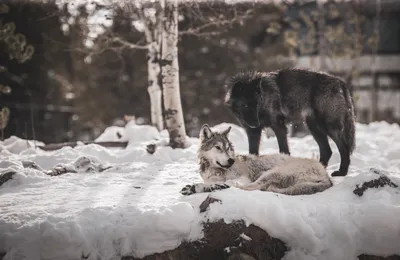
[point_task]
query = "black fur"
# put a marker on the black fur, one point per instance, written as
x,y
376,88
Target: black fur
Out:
x,y
277,98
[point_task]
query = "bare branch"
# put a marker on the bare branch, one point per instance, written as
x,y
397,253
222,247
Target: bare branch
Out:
x,y
19,80
199,31
199,34
61,79
149,31
97,51
129,44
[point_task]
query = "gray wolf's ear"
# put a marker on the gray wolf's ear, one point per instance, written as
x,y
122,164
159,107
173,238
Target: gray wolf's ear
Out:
x,y
226,132
205,132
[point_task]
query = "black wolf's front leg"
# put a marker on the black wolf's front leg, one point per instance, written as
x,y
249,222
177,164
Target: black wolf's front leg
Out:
x,y
280,131
201,188
254,137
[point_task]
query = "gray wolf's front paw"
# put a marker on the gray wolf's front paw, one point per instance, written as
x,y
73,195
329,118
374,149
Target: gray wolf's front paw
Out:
x,y
219,187
188,190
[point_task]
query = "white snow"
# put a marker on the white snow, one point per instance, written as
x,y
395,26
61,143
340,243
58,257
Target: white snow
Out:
x,y
17,145
132,133
135,208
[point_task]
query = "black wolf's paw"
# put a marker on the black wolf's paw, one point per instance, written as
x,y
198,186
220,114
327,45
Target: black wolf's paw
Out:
x,y
188,190
338,173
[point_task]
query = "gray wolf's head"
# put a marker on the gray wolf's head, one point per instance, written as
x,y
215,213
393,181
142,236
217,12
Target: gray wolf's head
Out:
x,y
216,148
244,97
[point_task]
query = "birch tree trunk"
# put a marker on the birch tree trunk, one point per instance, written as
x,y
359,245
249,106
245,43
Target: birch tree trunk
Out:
x,y
170,76
152,31
154,89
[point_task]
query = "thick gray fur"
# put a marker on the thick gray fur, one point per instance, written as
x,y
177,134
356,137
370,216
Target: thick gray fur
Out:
x,y
220,168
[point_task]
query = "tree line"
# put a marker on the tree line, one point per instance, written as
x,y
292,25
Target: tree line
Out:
x,y
72,86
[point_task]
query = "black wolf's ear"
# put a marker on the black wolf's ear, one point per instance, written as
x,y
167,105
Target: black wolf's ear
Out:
x,y
205,132
237,89
226,132
227,100
259,86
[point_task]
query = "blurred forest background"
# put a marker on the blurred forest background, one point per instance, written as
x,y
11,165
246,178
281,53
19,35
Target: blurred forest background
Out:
x,y
68,70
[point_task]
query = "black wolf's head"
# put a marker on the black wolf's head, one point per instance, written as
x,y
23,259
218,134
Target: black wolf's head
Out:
x,y
244,97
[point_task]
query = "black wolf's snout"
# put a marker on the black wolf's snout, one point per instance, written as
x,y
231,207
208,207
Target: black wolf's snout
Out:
x,y
251,119
231,161
253,124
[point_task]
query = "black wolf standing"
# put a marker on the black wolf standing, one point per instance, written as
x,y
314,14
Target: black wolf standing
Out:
x,y
276,98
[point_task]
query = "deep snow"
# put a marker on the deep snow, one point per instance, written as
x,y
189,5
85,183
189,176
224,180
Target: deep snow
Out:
x,y
135,208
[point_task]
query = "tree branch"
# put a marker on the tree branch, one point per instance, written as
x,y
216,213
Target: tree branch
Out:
x,y
60,79
129,44
198,31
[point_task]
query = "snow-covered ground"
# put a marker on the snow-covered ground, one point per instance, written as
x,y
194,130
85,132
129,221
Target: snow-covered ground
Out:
x,y
135,208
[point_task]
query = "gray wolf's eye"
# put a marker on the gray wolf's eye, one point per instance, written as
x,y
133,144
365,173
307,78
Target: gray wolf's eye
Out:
x,y
218,148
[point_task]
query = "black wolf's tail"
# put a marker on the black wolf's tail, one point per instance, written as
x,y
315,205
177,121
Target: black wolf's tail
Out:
x,y
349,133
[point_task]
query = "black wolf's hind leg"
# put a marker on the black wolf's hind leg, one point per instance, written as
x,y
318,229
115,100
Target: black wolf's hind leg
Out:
x,y
280,131
344,162
321,138
344,151
254,137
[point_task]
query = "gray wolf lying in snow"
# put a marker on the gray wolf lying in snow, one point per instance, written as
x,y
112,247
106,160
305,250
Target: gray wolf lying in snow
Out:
x,y
220,168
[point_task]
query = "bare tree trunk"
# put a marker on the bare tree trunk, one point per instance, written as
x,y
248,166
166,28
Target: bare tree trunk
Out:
x,y
375,65
154,70
153,31
321,36
374,97
170,76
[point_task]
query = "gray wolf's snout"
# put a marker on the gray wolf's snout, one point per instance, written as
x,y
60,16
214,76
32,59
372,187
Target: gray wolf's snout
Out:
x,y
231,161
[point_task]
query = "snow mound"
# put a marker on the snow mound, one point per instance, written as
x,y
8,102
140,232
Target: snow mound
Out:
x,y
81,165
335,224
111,134
135,208
17,145
132,133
